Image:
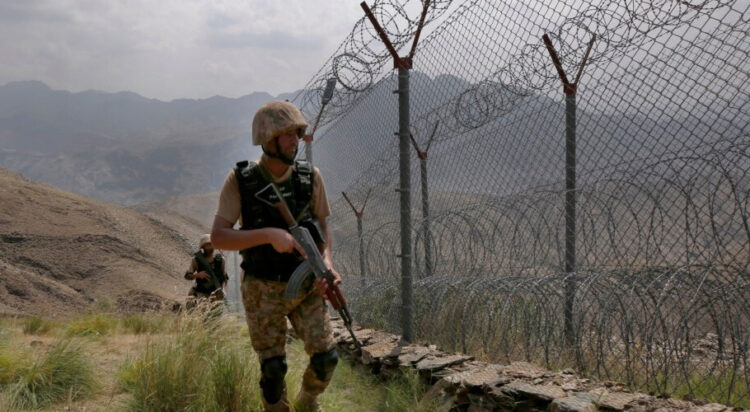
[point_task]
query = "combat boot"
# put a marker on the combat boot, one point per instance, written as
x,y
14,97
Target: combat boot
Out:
x,y
281,406
306,402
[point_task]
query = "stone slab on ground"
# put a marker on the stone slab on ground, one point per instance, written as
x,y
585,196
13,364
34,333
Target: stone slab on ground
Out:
x,y
573,404
519,389
436,363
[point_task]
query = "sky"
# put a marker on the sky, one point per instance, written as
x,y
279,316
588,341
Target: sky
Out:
x,y
169,49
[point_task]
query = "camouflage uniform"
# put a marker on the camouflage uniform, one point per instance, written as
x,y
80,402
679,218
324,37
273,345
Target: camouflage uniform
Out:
x,y
266,310
198,292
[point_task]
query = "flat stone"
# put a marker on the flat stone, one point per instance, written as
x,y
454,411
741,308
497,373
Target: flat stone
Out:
x,y
569,386
613,400
437,363
525,370
711,407
572,404
412,354
376,352
483,376
518,389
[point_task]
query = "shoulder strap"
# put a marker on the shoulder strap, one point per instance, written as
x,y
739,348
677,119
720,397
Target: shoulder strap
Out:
x,y
303,175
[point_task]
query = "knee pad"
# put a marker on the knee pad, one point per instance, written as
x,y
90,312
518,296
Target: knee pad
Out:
x,y
324,363
272,380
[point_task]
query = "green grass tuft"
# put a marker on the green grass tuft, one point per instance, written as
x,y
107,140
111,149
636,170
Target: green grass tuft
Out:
x,y
92,325
143,323
203,367
63,373
11,361
35,325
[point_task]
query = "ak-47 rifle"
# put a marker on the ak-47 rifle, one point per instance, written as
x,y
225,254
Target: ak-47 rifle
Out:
x,y
314,264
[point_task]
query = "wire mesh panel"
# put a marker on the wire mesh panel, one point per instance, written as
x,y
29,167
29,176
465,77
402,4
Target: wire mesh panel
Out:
x,y
662,240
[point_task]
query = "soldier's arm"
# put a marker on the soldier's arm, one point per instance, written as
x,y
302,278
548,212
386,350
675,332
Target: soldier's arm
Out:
x,y
224,274
190,273
224,236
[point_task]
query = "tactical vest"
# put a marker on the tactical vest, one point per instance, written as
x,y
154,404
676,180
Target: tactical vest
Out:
x,y
206,285
263,261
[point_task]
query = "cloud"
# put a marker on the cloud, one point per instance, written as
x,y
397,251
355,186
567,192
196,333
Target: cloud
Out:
x,y
171,48
274,41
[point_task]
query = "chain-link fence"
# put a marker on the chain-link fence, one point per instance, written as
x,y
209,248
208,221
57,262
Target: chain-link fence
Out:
x,y
661,295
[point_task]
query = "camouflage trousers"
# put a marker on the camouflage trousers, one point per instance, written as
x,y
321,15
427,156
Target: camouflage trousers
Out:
x,y
266,312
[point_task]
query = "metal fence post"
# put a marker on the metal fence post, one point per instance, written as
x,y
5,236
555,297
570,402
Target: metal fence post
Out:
x,y
403,64
404,188
570,90
425,199
360,236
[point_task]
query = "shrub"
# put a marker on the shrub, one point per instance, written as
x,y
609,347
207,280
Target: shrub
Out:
x,y
62,373
35,325
140,323
91,325
11,361
204,367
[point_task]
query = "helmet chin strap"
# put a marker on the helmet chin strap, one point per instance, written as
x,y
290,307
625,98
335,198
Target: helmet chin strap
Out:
x,y
278,154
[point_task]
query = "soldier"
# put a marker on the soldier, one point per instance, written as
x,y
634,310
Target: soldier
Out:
x,y
270,254
209,272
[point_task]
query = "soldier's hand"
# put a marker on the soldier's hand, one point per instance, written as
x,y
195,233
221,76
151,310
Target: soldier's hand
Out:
x,y
322,286
202,275
283,242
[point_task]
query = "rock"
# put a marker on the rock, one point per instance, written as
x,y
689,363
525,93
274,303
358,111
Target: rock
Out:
x,y
439,392
525,370
412,354
573,404
376,352
363,335
603,398
433,364
518,389
569,386
711,407
479,377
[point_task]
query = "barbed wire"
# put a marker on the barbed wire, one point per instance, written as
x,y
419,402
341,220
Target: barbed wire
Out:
x,y
663,194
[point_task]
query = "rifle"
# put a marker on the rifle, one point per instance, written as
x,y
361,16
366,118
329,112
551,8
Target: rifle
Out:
x,y
207,267
314,264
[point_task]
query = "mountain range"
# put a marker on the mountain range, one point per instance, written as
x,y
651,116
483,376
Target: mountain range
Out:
x,y
122,147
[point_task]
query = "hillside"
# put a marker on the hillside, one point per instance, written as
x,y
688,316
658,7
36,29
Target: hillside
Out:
x,y
194,211
60,251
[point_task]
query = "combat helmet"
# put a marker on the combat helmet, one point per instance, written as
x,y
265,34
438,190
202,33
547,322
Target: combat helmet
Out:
x,y
275,118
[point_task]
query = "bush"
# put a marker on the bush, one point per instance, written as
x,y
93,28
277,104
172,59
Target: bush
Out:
x,y
138,324
11,361
406,392
35,325
102,305
62,373
91,325
204,367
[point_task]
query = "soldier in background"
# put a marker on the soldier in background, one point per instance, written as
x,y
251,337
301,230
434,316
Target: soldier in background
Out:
x,y
208,269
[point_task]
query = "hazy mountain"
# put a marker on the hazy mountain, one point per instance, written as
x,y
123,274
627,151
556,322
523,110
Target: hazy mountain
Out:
x,y
122,147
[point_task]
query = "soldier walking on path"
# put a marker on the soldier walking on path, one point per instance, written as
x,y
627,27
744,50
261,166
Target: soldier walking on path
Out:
x,y
270,254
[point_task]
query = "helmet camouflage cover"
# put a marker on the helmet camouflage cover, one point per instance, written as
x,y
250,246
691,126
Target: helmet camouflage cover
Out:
x,y
276,118
205,239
